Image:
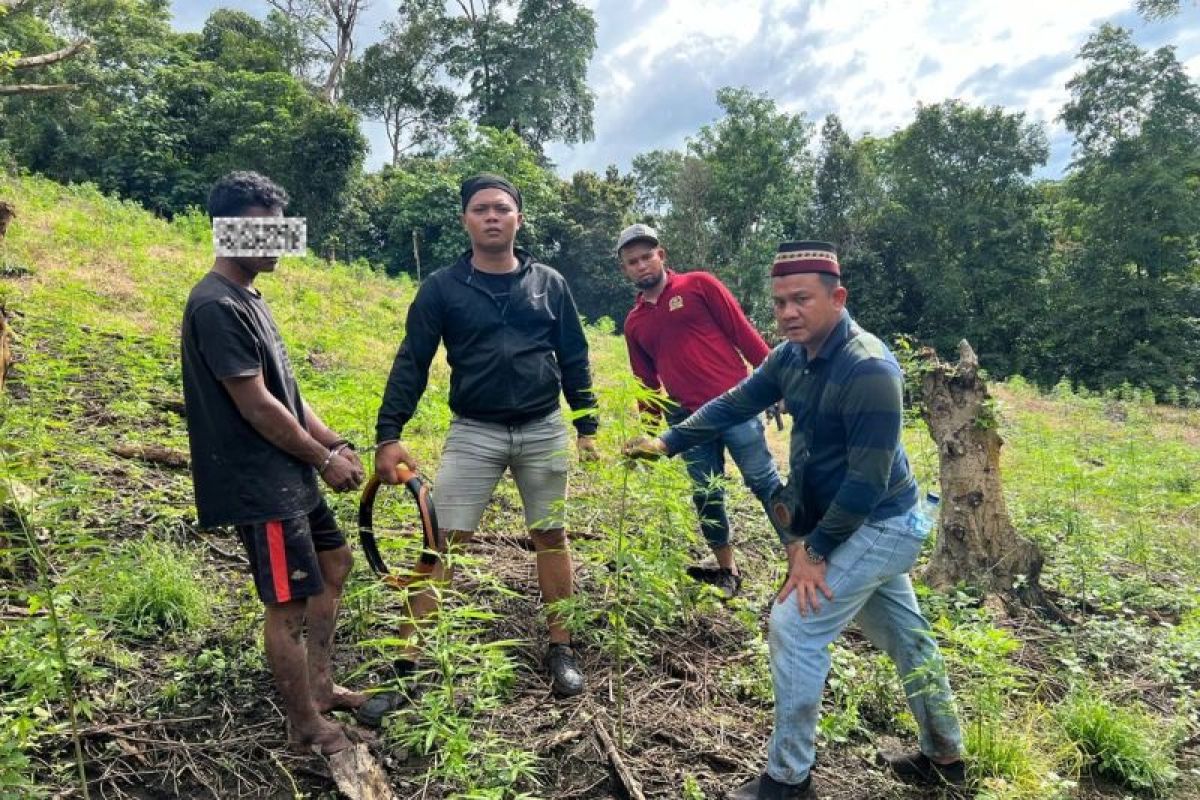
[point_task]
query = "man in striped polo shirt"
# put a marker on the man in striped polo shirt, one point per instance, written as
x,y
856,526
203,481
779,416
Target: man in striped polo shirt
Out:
x,y
848,519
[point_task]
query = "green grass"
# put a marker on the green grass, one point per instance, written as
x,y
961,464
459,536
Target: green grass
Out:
x,y
1107,485
1125,743
157,588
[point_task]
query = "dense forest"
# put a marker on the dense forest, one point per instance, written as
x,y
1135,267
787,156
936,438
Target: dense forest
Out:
x,y
943,228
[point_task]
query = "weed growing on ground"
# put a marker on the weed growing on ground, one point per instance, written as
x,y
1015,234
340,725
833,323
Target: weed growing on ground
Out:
x,y
1018,759
156,587
1124,743
469,679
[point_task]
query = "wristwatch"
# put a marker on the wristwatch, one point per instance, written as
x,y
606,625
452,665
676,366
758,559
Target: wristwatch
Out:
x,y
813,556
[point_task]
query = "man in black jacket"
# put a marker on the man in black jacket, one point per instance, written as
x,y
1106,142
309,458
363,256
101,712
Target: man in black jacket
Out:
x,y
514,342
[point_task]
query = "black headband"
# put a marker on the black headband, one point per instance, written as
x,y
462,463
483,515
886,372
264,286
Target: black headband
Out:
x,y
478,183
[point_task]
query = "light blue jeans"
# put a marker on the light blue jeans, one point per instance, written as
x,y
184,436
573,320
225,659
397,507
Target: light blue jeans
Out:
x,y
868,575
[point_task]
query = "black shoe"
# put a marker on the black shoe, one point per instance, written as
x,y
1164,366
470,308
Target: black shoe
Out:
x,y
728,581
764,787
919,769
378,706
566,680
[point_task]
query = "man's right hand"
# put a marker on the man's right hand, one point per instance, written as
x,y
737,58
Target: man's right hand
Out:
x,y
388,457
644,447
343,474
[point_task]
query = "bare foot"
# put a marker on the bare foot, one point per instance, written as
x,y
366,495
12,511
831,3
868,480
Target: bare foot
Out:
x,y
339,698
325,740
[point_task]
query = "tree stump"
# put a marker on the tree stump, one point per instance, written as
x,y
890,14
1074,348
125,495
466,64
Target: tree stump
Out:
x,y
977,543
7,212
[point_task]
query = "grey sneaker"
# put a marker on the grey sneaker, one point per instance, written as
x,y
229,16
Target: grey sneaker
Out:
x,y
566,679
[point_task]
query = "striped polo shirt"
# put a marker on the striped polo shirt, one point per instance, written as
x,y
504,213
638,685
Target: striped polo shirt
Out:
x,y
850,395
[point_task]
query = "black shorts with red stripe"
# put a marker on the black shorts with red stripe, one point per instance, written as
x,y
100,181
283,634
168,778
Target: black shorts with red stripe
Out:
x,y
283,553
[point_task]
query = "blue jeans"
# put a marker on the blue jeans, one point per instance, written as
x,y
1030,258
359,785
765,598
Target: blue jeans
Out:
x,y
868,575
747,445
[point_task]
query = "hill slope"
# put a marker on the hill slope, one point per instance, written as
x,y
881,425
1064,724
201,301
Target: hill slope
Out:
x,y
161,631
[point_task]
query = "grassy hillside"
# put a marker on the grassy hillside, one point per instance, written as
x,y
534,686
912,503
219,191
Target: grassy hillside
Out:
x,y
114,606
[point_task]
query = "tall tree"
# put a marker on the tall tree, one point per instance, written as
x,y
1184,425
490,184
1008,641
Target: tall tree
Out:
x,y
594,208
851,208
743,185
528,75
11,59
397,81
332,23
966,223
1127,287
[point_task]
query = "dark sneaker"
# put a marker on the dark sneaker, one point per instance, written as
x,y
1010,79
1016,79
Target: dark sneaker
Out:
x,y
566,679
728,581
379,705
764,787
917,768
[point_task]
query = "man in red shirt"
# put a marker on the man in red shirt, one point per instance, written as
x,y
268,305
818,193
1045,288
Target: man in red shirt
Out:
x,y
687,334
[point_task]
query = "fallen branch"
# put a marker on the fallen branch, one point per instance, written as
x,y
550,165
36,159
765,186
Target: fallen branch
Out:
x,y
628,782
99,730
358,775
154,453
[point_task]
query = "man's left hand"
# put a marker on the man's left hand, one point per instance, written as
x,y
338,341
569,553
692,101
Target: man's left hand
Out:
x,y
586,445
352,457
806,579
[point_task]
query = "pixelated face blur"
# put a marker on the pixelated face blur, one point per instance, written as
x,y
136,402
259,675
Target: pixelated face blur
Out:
x,y
642,262
806,310
258,237
492,220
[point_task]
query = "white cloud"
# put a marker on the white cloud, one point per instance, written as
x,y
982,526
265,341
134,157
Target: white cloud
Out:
x,y
871,63
660,62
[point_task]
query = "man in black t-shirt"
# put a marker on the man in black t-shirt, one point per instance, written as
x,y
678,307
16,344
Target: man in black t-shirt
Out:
x,y
257,449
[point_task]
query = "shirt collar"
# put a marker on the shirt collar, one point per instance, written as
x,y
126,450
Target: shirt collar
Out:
x,y
641,299
837,337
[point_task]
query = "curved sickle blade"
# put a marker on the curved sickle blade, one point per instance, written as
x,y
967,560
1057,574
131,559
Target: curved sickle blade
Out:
x,y
435,544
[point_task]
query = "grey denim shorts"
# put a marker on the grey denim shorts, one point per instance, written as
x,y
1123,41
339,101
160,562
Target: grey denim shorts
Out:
x,y
475,457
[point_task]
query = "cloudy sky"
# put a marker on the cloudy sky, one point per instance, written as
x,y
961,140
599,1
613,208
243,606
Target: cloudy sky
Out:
x,y
659,63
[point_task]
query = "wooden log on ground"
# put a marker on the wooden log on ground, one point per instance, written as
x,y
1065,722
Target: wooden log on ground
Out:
x,y
620,769
358,775
5,349
153,453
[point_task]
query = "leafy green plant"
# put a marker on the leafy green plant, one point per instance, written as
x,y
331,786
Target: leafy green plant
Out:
x,y
469,678
1124,742
1015,759
156,587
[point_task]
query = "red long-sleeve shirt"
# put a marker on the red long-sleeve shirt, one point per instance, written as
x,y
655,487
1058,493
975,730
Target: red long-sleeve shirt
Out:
x,y
694,341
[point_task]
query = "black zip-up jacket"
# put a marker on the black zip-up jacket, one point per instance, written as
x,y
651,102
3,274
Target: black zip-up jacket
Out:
x,y
508,362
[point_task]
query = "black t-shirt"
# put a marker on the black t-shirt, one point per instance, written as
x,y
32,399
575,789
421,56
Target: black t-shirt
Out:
x,y
499,286
240,478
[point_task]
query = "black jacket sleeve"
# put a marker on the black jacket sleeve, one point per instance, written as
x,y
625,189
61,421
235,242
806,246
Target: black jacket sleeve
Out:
x,y
571,349
410,369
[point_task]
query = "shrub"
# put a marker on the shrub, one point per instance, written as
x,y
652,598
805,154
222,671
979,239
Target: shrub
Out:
x,y
154,587
1124,742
